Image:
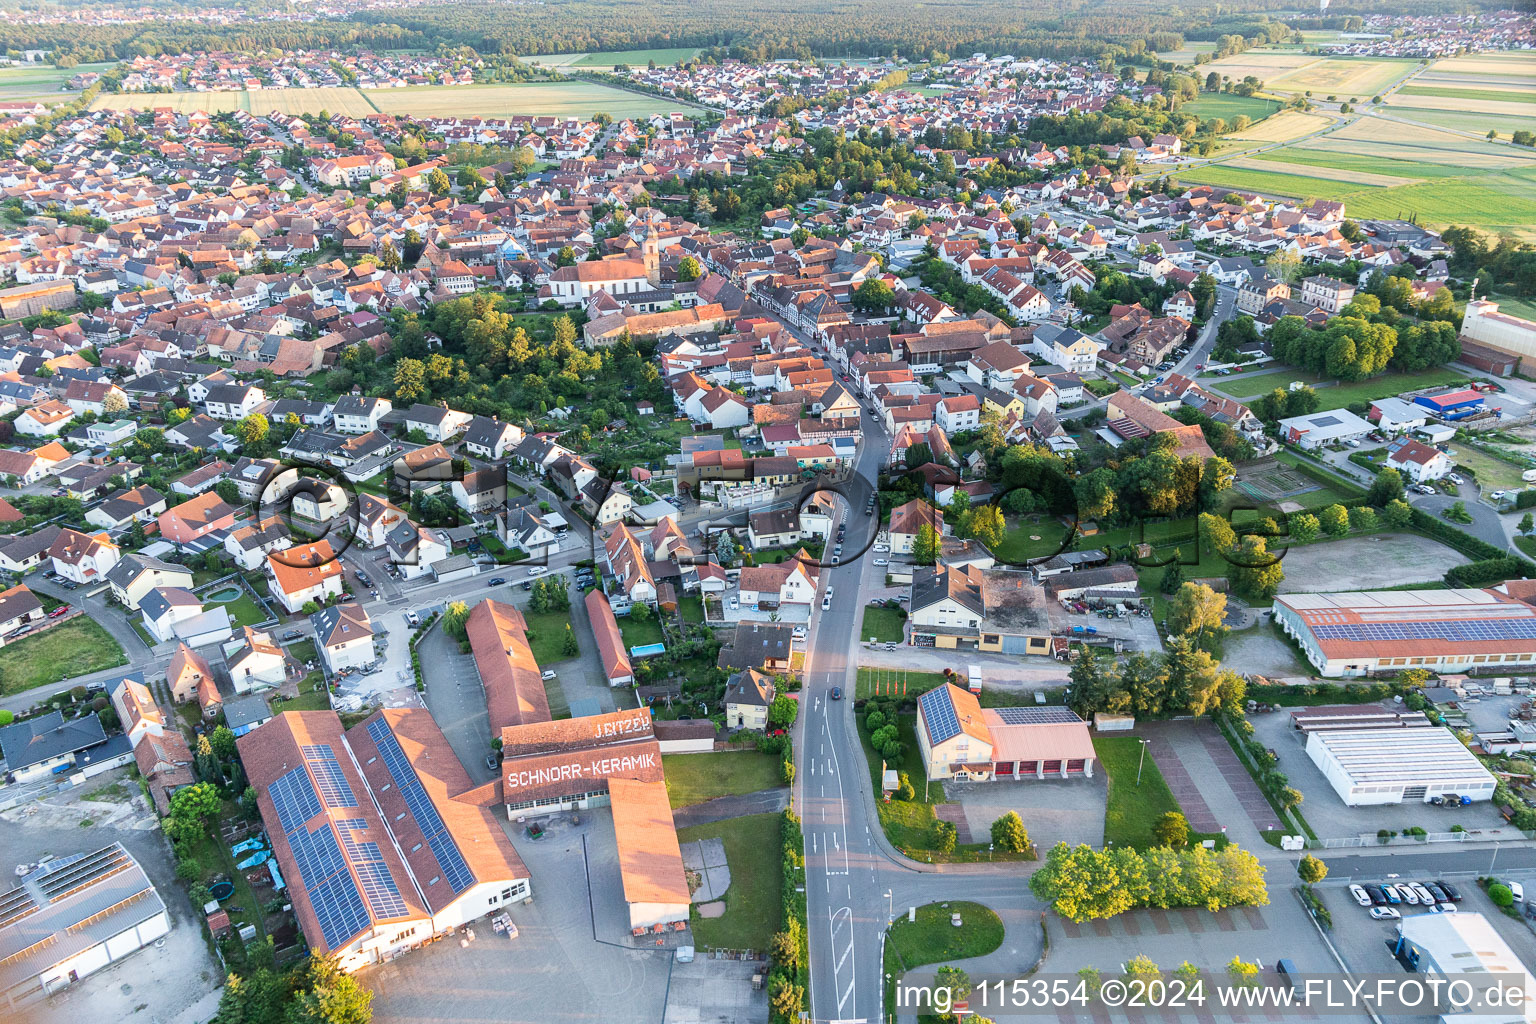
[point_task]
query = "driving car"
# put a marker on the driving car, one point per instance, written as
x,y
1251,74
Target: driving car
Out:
x,y
497,581
538,570
1360,895
826,602
837,693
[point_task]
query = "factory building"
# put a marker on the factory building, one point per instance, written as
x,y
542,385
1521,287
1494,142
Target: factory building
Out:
x,y
1398,765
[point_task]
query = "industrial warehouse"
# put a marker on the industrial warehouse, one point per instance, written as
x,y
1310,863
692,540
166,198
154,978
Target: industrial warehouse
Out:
x,y
962,740
1358,634
1370,756
386,842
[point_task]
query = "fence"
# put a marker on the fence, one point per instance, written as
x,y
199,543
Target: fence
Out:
x,y
1348,842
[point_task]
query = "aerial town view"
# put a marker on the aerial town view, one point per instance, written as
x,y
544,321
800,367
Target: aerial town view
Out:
x,y
844,512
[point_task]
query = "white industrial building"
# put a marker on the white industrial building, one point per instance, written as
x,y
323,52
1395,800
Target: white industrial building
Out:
x,y
1356,634
1394,766
1467,948
1317,429
73,917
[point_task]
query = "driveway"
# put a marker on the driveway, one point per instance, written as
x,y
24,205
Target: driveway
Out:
x,y
1487,525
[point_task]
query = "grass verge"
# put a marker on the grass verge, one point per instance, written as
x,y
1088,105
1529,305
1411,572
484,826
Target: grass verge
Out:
x,y
694,778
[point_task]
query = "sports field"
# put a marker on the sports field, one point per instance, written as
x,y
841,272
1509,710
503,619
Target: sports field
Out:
x,y
555,99
41,82
263,102
608,58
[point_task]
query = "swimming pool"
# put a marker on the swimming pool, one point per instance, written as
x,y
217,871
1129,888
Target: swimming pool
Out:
x,y
223,594
648,650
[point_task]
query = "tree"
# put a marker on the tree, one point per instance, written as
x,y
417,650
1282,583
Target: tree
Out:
x,y
1527,524
1196,608
688,269
253,430
455,619
222,742
925,549
1335,520
987,526
874,295
328,995
1172,830
1252,571
1501,895
1009,834
1289,797
918,455
114,404
783,712
1311,870
410,380
785,947
1241,971
568,646
1216,534
1363,519
565,257
956,985
1397,514
1284,265
785,999
1173,575
389,256
438,183
1304,527
199,804
1388,486
944,836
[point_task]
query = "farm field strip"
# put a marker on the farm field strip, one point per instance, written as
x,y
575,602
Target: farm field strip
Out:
x,y
1356,159
1283,127
1501,107
608,58
1262,162
1522,64
262,102
554,99
1362,76
1524,94
1469,121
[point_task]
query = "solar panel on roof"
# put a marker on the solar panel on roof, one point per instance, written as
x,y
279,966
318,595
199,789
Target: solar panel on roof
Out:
x,y
939,715
1036,716
455,870
367,862
1463,631
333,895
333,785
294,797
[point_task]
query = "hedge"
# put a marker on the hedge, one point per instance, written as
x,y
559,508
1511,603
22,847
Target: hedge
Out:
x,y
793,897
1487,571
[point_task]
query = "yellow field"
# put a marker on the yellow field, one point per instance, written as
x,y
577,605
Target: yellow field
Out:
x,y
1281,127
1512,108
1262,66
1521,65
1342,76
1328,173
350,102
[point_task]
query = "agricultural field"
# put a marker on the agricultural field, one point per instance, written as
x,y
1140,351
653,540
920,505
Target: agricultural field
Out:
x,y
1342,76
262,102
1384,168
1491,84
41,82
1466,120
1186,54
1229,107
607,59
555,99
1282,127
1261,64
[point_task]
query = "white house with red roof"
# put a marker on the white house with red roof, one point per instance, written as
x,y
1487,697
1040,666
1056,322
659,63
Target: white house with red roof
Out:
x,y
1417,461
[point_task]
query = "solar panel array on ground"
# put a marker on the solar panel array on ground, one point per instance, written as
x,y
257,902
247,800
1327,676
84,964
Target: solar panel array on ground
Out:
x,y
939,715
1464,631
455,871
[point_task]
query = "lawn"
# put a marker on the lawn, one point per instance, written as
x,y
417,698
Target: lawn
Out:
x,y
78,647
931,938
311,696
639,632
895,683
1229,107
692,608
1019,545
753,903
42,82
243,610
883,624
694,778
1338,395
1132,809
546,635
1492,473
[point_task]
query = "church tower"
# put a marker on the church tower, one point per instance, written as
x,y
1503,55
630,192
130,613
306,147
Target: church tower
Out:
x,y
650,251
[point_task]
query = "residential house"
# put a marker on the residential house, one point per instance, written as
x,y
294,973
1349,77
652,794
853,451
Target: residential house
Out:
x,y
343,636
748,696
254,661
908,519
135,575
304,573
196,518
82,557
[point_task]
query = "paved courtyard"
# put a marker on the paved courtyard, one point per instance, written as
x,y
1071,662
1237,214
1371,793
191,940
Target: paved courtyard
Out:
x,y
1367,562
1054,810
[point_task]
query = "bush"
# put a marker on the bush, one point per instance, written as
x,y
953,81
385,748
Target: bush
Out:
x,y
945,836
1501,895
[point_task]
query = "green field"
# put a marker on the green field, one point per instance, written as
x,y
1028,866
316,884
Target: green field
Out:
x,y
1229,107
42,82
1490,472
1365,164
78,647
1476,95
883,624
753,907
1468,121
1132,809
608,58
547,636
1337,396
694,778
1525,308
553,99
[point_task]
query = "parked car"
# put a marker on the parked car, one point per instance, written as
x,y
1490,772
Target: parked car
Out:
x,y
293,634
490,762
1385,913
364,578
547,674
799,633
538,570
1378,897
1443,908
826,602
1438,893
62,609
412,619
882,547
1406,892
882,561
1360,895
1518,890
1426,899
1455,478
1450,890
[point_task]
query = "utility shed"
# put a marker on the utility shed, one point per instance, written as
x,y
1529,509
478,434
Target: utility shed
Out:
x,y
650,859
73,917
1393,766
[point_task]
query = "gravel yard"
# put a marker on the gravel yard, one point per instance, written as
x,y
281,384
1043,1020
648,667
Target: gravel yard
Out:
x,y
1364,563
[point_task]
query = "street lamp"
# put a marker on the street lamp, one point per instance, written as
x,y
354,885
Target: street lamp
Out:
x,y
1142,760
1494,857
890,909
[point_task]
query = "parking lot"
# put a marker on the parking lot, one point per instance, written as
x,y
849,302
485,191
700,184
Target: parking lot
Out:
x,y
1328,815
175,982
